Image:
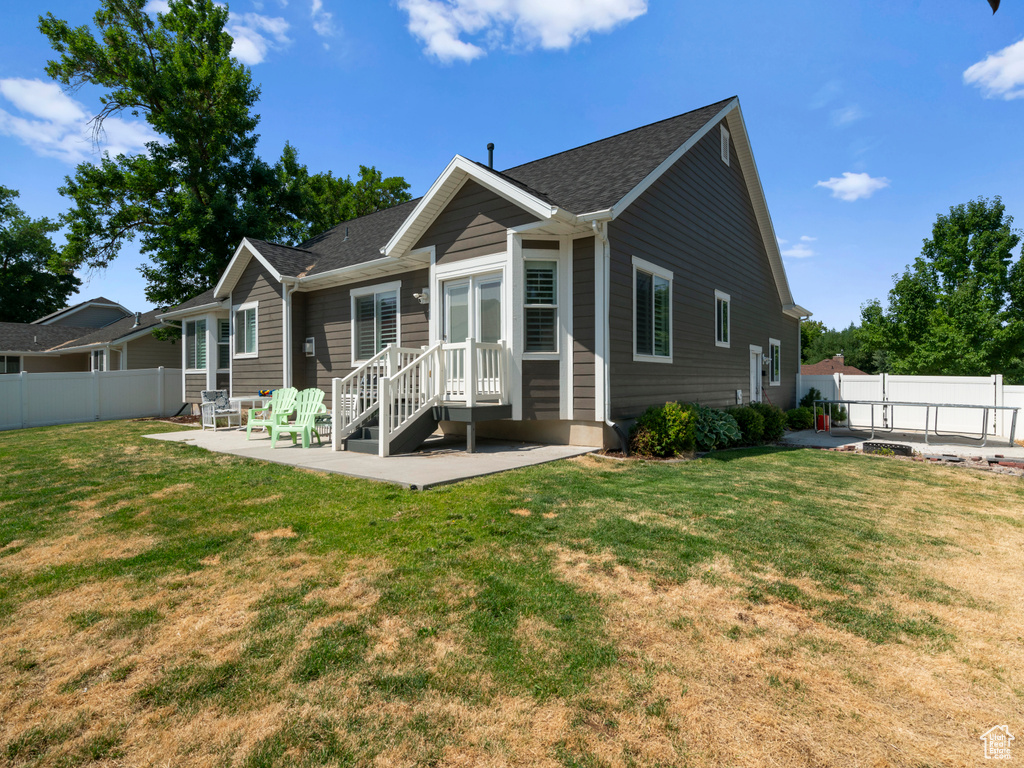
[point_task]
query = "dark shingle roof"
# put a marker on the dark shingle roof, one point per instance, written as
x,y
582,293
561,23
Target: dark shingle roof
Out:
x,y
598,175
59,312
206,297
28,337
831,365
588,178
111,333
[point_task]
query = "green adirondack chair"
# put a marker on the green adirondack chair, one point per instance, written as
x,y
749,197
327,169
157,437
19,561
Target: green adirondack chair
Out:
x,y
277,411
309,403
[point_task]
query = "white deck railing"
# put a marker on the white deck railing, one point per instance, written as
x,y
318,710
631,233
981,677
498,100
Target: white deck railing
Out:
x,y
402,382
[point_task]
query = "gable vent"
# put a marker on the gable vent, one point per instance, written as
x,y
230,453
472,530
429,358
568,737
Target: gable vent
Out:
x,y
725,145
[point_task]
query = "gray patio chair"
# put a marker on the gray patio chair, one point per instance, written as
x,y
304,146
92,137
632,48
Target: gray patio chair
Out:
x,y
216,405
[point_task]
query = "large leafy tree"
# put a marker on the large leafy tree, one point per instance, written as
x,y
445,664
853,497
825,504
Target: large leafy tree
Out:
x,y
198,189
958,310
28,287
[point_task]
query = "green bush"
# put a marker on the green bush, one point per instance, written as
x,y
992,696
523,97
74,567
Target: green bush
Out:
x,y
715,429
750,422
663,430
774,421
800,418
808,400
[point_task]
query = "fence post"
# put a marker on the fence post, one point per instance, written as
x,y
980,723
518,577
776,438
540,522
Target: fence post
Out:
x,y
24,399
160,392
96,394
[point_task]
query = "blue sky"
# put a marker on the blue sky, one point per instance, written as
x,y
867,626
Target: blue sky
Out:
x,y
863,122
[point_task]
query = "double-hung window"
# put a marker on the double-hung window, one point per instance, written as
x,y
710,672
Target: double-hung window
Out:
x,y
99,360
246,322
652,312
540,305
375,319
195,345
723,319
10,364
774,362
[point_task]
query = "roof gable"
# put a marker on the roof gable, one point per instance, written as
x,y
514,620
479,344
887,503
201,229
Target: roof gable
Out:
x,y
68,315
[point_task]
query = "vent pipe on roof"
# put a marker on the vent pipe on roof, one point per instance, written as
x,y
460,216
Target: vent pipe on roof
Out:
x,y
490,155
346,233
138,320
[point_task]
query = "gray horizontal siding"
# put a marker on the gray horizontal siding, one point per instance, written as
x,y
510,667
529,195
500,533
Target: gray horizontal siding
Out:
x,y
195,383
147,352
328,319
474,223
697,220
583,391
540,389
249,375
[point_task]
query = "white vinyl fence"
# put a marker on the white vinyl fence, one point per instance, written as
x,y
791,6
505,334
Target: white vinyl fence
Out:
x,y
44,399
959,390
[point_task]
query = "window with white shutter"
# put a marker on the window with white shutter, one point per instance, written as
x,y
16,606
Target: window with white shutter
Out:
x,y
541,306
376,319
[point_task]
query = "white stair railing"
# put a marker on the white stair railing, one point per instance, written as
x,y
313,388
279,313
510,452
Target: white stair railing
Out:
x,y
410,392
357,396
476,372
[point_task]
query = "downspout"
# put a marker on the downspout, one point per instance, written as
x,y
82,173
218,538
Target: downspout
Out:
x,y
601,240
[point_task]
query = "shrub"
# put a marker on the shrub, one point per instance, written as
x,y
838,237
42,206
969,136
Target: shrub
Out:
x,y
808,400
750,422
715,429
774,421
800,418
663,430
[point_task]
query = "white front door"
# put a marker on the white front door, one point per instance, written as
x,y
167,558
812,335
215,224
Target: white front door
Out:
x,y
755,374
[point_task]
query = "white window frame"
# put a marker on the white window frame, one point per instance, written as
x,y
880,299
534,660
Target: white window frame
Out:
x,y
722,296
725,144
184,343
255,306
368,290
102,355
221,343
774,361
554,256
641,265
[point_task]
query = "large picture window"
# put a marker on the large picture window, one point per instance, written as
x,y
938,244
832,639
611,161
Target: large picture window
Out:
x,y
774,362
541,306
723,319
246,338
375,320
195,345
652,312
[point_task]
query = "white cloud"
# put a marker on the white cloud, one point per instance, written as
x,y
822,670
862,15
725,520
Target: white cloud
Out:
x,y
323,21
157,6
807,239
521,24
799,251
854,186
52,124
256,35
846,115
1001,74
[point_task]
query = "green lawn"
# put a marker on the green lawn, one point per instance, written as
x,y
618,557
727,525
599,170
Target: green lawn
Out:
x,y
160,604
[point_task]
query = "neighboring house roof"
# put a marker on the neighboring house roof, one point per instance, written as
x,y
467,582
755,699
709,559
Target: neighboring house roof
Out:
x,y
74,308
829,366
205,300
123,330
28,337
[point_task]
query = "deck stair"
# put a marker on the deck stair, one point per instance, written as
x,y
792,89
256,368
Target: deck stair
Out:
x,y
393,402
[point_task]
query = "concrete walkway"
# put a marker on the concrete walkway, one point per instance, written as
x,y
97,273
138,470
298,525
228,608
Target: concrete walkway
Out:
x,y
438,462
808,438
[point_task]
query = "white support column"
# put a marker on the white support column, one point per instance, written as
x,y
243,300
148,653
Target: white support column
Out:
x,y
515,249
384,409
211,351
335,423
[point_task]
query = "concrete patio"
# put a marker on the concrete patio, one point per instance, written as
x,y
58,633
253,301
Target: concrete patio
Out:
x,y
437,462
955,446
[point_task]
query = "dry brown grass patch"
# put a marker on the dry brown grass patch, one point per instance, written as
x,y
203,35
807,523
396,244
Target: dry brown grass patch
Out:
x,y
75,549
277,533
520,512
171,490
